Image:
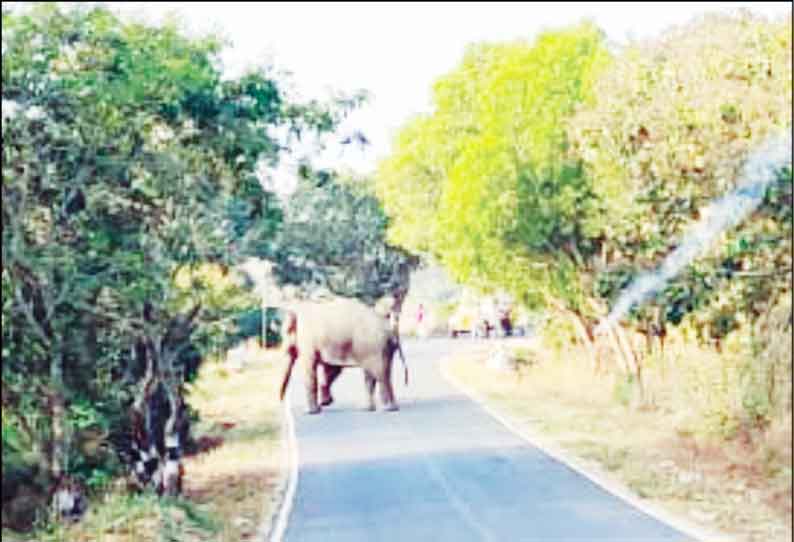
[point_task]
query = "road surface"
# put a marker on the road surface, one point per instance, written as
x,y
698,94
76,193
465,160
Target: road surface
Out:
x,y
441,469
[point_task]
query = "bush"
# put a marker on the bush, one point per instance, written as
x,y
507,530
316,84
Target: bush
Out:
x,y
684,110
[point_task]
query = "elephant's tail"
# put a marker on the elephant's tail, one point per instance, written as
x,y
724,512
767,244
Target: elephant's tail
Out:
x,y
290,327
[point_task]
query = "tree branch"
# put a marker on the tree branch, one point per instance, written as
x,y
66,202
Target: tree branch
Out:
x,y
28,312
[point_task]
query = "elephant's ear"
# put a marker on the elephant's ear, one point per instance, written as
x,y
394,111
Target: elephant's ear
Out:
x,y
384,306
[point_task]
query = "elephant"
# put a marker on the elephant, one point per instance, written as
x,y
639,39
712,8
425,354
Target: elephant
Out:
x,y
336,334
331,372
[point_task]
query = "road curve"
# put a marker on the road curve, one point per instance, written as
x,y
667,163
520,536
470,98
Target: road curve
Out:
x,y
441,469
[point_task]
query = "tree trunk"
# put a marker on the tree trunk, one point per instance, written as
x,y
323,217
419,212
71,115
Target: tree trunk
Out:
x,y
631,356
585,333
142,444
648,336
170,482
623,361
57,421
170,479
67,500
583,330
58,427
158,413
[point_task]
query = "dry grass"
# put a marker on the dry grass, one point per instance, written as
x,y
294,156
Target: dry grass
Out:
x,y
238,480
741,486
231,486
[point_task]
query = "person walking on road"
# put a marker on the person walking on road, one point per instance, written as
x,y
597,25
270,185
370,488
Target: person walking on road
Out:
x,y
420,321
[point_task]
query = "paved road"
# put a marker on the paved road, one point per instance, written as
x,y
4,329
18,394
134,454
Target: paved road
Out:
x,y
441,469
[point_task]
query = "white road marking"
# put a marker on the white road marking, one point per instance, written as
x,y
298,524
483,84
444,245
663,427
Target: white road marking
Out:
x,y
609,485
291,451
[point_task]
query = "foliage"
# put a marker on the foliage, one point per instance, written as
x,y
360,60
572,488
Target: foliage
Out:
x,y
334,236
561,174
409,183
127,161
231,308
672,125
485,182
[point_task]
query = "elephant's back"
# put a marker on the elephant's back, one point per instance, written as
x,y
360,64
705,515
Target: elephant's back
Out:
x,y
341,320
361,316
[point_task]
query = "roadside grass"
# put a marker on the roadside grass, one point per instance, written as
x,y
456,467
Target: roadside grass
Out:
x,y
239,480
232,483
116,517
741,485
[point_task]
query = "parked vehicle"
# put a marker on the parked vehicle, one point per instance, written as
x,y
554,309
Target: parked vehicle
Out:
x,y
463,320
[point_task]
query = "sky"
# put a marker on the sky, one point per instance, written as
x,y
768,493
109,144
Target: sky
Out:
x,y
397,50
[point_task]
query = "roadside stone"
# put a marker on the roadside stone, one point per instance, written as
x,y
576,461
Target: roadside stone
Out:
x,y
500,359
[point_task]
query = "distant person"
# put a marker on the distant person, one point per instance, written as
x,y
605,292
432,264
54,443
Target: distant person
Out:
x,y
420,321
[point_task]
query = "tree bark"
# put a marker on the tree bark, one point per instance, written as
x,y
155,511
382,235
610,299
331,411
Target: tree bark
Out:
x,y
58,428
583,330
623,362
585,333
170,480
58,444
142,442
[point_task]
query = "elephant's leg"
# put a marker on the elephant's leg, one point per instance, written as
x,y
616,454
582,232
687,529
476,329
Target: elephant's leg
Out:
x,y
384,380
369,384
310,362
331,373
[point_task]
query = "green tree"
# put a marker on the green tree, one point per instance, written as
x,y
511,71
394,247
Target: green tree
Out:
x,y
487,184
334,236
673,124
126,158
